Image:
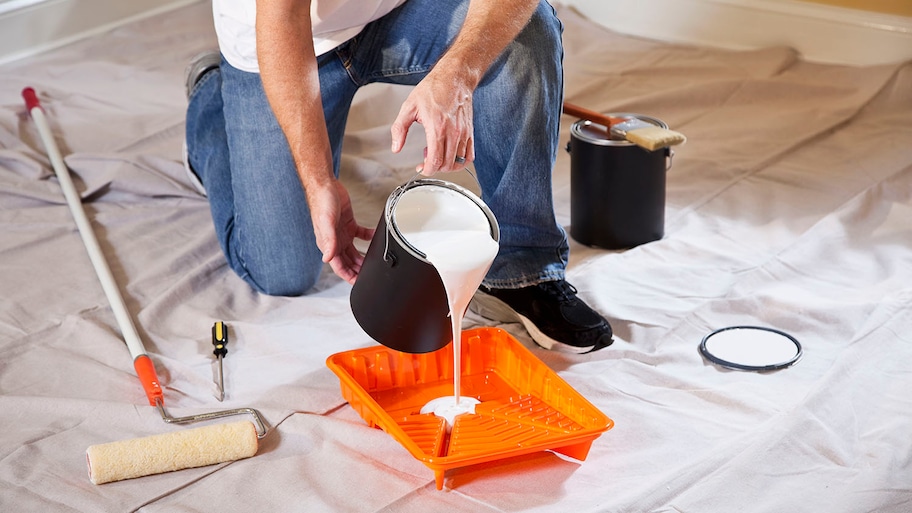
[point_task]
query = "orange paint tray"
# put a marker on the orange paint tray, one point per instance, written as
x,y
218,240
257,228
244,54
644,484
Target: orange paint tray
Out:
x,y
525,406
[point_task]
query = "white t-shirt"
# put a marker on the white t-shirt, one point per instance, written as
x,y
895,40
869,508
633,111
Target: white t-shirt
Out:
x,y
334,22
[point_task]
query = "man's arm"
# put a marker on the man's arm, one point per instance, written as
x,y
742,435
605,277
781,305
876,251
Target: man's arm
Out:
x,y
442,102
288,69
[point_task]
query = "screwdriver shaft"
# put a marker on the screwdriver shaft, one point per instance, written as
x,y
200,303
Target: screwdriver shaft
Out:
x,y
221,381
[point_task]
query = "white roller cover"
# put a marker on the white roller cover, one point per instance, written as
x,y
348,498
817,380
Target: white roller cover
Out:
x,y
155,454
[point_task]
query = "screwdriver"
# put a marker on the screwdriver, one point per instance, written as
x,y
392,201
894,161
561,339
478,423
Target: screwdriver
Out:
x,y
220,340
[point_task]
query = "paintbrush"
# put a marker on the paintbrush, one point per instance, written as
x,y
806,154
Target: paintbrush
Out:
x,y
637,131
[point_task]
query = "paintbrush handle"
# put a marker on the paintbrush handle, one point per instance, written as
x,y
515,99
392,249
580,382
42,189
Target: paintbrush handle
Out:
x,y
583,113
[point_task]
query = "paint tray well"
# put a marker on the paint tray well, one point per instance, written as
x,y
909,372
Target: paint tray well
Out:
x,y
525,406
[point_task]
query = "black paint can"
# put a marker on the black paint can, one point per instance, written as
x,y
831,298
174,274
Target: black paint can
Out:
x,y
399,299
617,189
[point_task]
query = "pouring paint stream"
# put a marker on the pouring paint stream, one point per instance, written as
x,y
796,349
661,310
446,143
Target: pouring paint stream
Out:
x,y
455,236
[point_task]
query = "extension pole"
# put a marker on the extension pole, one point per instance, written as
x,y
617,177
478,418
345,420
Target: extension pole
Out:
x,y
141,361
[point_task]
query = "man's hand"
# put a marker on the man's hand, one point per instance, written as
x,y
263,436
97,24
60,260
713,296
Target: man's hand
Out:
x,y
335,229
443,106
442,102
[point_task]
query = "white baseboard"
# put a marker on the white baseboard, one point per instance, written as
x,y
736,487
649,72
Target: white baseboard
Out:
x,y
821,33
29,27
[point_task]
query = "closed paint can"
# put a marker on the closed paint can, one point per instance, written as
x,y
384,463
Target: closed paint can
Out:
x,y
617,189
399,299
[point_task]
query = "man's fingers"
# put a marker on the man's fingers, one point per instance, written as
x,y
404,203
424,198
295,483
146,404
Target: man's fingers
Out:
x,y
364,233
453,160
464,154
400,127
348,264
343,271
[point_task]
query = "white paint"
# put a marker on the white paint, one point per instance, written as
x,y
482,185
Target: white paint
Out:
x,y
455,235
448,408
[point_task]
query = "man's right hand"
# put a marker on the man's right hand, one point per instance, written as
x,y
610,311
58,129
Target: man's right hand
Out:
x,y
335,228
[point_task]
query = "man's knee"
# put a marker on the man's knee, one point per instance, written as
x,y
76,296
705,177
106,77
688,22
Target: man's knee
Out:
x,y
294,278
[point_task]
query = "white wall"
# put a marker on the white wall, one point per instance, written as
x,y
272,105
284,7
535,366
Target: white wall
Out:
x,y
821,33
28,27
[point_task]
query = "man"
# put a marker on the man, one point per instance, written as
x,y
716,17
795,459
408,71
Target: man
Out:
x,y
267,117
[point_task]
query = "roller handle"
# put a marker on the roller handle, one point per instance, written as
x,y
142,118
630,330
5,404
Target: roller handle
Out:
x,y
583,113
220,338
145,370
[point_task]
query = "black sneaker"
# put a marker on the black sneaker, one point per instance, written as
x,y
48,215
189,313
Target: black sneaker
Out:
x,y
199,66
551,312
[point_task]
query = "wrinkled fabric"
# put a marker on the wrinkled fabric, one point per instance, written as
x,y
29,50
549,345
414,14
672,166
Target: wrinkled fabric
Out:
x,y
789,207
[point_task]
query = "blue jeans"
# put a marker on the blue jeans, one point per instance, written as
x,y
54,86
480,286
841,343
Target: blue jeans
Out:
x,y
262,222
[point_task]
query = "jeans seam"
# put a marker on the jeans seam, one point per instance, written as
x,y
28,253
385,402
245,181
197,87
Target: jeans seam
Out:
x,y
525,281
193,90
399,72
203,79
238,253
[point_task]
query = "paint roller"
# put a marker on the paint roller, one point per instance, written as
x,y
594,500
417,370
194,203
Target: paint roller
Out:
x,y
155,454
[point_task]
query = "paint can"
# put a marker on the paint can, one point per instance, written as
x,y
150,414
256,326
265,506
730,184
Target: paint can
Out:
x,y
399,299
617,189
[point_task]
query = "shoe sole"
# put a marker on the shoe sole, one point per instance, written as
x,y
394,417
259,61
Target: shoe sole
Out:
x,y
492,308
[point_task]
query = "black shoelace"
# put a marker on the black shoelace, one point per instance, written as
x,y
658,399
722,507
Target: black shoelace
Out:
x,y
563,291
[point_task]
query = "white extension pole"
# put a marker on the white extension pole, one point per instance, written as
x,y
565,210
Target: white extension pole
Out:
x,y
159,453
121,314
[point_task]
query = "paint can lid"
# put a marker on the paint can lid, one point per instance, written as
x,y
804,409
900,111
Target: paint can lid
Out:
x,y
751,348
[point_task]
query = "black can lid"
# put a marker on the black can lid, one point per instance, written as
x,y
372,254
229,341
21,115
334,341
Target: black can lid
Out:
x,y
751,348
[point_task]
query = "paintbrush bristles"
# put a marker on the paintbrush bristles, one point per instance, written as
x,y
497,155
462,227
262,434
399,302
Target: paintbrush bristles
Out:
x,y
654,137
645,134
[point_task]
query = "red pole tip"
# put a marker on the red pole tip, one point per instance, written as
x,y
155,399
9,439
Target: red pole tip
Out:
x,y
31,99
